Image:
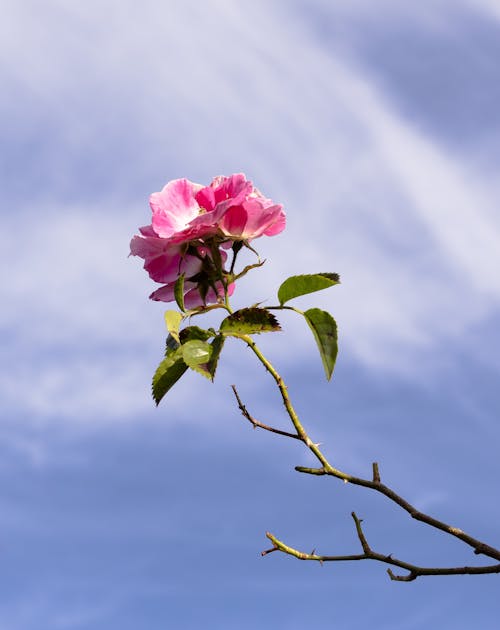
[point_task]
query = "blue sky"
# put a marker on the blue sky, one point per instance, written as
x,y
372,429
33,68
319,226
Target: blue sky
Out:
x,y
377,126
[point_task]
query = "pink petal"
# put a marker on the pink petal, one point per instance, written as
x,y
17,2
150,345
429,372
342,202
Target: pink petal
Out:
x,y
255,218
235,221
145,247
174,207
163,260
166,293
278,225
235,187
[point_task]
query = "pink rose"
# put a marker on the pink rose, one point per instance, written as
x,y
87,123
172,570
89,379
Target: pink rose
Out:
x,y
190,220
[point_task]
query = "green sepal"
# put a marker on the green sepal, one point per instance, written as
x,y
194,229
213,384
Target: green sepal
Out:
x,y
301,285
173,321
324,329
249,321
179,292
249,268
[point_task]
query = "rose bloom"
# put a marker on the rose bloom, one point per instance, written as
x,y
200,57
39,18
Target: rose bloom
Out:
x,y
185,214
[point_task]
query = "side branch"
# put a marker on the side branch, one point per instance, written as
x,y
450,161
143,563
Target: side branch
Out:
x,y
255,423
413,571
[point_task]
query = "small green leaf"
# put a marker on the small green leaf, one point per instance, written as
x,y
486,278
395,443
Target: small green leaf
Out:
x,y
179,292
197,355
324,330
195,332
196,352
301,285
168,373
248,321
173,321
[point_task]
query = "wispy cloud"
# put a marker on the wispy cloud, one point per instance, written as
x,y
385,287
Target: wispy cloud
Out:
x,y
197,88
490,7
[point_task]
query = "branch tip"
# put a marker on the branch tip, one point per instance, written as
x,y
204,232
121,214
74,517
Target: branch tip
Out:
x,y
361,536
402,578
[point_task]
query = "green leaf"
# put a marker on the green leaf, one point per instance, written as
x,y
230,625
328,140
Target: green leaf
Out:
x,y
248,321
301,285
196,352
173,321
174,365
168,373
324,330
217,345
179,292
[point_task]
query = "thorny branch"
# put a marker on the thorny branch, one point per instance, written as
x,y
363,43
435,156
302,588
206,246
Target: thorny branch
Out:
x,y
376,484
414,571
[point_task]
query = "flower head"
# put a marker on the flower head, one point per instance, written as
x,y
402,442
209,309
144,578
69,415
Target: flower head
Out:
x,y
191,223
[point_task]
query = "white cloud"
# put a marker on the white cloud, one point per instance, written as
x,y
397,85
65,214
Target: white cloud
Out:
x,y
412,229
490,7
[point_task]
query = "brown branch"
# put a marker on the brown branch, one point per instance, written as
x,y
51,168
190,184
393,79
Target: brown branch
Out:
x,y
255,423
413,570
478,546
376,484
